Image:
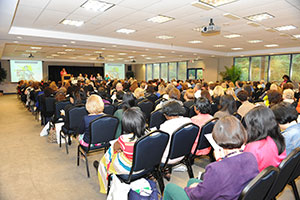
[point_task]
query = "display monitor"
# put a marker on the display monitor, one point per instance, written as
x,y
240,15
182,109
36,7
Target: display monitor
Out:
x,y
26,70
114,70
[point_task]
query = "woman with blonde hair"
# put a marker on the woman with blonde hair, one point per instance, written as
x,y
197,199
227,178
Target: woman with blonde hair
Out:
x,y
217,93
53,87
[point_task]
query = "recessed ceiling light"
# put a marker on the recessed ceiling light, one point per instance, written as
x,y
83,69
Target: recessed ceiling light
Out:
x,y
284,34
110,59
31,51
148,58
271,45
114,46
254,41
102,48
194,54
204,6
61,52
125,30
160,19
259,17
253,24
73,57
161,56
98,52
19,37
270,30
64,45
110,56
88,54
72,22
285,28
180,55
231,16
212,56
236,48
94,5
296,36
49,57
16,42
199,29
232,36
122,54
69,49
195,42
147,49
92,58
73,42
130,56
36,48
164,37
219,45
172,51
143,55
133,51
54,55
216,3
120,58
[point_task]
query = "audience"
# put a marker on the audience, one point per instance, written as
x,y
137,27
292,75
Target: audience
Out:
x,y
246,105
227,106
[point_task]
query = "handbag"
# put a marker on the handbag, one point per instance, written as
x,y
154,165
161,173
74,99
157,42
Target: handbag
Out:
x,y
133,195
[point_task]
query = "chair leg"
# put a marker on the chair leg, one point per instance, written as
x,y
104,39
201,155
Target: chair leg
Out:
x,y
87,166
108,183
295,190
66,138
60,139
78,155
189,168
160,181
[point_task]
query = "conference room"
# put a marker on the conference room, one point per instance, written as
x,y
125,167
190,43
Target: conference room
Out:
x,y
107,46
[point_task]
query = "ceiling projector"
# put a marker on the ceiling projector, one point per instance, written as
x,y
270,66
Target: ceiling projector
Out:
x,y
211,28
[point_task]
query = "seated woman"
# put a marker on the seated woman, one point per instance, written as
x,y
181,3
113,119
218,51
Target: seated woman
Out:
x,y
224,179
95,107
264,138
202,108
118,158
286,115
228,106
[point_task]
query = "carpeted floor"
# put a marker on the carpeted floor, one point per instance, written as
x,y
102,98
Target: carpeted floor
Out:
x,y
31,168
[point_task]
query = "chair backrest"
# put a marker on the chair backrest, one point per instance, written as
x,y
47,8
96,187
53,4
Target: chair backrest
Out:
x,y
192,112
76,115
156,119
296,172
238,116
49,106
147,107
160,99
58,107
182,141
205,129
286,169
39,99
148,151
109,109
103,129
152,98
258,187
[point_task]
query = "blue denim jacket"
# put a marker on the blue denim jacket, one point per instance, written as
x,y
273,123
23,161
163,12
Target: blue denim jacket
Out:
x,y
292,138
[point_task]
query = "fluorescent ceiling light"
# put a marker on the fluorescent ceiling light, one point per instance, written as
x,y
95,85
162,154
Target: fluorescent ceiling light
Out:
x,y
92,58
130,56
236,48
172,51
271,45
164,37
110,56
110,60
195,42
102,48
31,51
16,42
232,36
19,37
148,58
199,4
72,22
285,28
199,29
160,19
36,48
49,56
161,56
119,58
88,54
61,52
114,46
253,24
296,36
98,52
216,3
54,55
72,42
254,41
125,30
259,17
64,45
95,5
270,29
231,16
122,54
143,55
69,49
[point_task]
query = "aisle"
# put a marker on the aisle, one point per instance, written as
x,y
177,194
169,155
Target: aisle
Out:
x,y
31,168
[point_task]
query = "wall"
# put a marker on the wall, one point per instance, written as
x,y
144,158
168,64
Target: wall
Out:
x,y
7,86
224,61
139,70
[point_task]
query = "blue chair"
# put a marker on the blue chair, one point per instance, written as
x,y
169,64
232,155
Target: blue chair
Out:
x,y
295,175
182,141
147,107
75,118
102,130
156,119
109,109
286,170
258,187
147,154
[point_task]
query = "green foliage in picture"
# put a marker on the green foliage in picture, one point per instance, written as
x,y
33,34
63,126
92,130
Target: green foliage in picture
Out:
x,y
3,74
231,74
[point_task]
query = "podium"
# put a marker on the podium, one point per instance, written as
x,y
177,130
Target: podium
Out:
x,y
65,78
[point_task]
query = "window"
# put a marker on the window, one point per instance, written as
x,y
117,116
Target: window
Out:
x,y
279,66
259,68
199,73
296,68
182,70
164,71
172,70
243,64
149,72
155,71
191,74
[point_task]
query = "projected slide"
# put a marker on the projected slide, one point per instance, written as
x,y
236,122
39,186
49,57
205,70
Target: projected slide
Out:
x,y
115,71
26,70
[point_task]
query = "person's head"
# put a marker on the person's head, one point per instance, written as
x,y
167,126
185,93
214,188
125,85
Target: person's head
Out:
x,y
161,89
202,105
169,87
260,123
231,92
128,100
286,77
218,91
119,87
248,88
274,97
119,95
242,95
228,104
285,113
53,86
173,109
197,87
273,87
174,94
94,104
138,93
133,121
229,133
150,89
288,94
189,95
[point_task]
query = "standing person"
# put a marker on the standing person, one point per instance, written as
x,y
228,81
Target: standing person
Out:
x,y
63,72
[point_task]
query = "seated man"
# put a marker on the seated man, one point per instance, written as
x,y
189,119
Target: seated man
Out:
x,y
246,105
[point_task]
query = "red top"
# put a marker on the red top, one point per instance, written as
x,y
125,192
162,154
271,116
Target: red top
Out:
x,y
127,145
62,73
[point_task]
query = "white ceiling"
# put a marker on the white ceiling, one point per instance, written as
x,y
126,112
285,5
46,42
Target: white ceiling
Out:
x,y
38,23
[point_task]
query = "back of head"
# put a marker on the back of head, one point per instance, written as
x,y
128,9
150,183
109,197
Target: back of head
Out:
x,y
242,95
288,94
260,123
94,104
173,108
205,94
274,97
189,94
138,92
229,133
133,121
174,94
218,91
203,105
128,100
284,113
228,104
